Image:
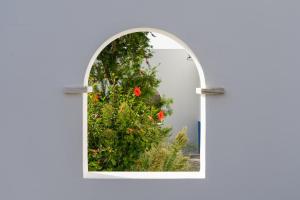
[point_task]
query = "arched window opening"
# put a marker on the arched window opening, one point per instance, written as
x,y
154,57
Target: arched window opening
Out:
x,y
142,117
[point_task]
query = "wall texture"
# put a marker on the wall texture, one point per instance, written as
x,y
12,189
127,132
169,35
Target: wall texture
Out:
x,y
179,80
249,47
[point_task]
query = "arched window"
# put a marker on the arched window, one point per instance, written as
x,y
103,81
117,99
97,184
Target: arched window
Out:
x,y
141,88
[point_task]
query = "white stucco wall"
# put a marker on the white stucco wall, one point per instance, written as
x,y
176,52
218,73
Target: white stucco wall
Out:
x,y
249,47
179,80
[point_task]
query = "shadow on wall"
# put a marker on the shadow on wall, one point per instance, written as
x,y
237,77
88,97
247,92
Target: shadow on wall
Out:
x,y
180,79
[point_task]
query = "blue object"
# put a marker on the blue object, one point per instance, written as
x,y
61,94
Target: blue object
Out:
x,y
199,136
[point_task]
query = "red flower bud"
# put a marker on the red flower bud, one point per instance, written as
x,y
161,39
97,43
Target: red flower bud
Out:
x,y
96,97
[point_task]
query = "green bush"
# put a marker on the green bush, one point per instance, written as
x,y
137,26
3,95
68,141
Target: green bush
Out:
x,y
121,127
165,156
126,113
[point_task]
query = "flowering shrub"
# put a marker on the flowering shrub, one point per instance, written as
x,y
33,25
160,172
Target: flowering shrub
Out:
x,y
121,128
126,113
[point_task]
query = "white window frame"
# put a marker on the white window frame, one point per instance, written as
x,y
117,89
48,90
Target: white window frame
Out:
x,y
145,175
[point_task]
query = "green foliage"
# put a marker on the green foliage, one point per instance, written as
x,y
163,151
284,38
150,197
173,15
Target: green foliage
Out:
x,y
120,129
165,156
120,63
122,124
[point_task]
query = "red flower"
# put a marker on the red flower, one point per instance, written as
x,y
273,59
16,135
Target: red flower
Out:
x,y
161,115
137,91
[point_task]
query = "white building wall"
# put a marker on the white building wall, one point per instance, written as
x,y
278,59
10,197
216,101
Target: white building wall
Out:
x,y
179,80
249,47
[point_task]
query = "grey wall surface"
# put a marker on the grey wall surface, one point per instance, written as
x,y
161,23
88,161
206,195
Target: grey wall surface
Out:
x,y
179,80
249,47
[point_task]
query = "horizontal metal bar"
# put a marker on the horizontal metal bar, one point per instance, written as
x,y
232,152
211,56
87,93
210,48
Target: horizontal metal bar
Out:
x,y
210,91
88,89
77,89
